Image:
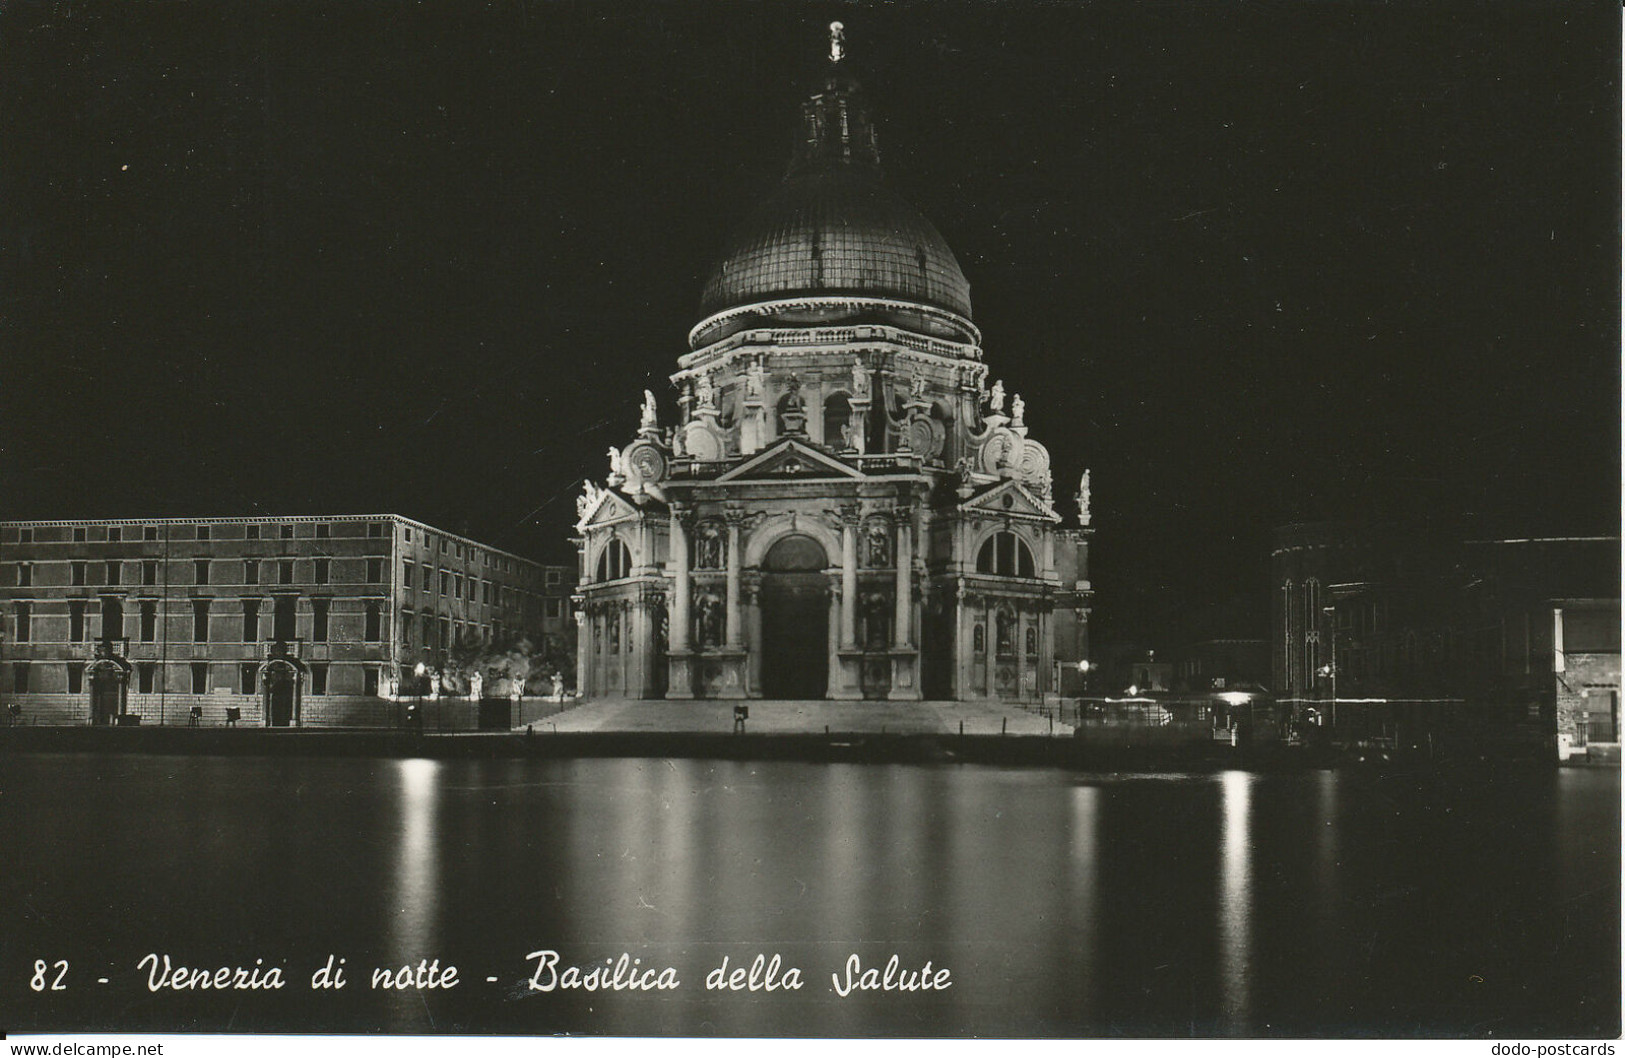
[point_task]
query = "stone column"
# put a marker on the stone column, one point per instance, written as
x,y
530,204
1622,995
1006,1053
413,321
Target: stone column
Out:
x,y
905,578
679,673
583,653
849,578
753,632
835,687
735,630
1021,655
681,590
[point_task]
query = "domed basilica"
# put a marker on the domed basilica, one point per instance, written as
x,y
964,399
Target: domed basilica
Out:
x,y
846,506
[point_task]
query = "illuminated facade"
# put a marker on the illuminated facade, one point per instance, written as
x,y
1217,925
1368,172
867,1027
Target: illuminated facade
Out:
x,y
845,506
296,621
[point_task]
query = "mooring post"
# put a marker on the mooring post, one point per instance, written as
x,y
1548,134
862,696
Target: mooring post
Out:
x,y
1004,724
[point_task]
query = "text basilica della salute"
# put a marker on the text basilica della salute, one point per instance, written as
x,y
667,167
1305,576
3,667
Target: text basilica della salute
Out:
x,y
847,507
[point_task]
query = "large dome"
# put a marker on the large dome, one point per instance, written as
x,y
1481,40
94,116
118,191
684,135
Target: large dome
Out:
x,y
836,230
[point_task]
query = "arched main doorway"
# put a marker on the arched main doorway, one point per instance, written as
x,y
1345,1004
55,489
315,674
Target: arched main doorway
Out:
x,y
109,683
795,619
281,690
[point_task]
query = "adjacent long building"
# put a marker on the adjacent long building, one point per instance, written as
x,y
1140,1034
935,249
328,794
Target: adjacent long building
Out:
x,y
292,621
847,505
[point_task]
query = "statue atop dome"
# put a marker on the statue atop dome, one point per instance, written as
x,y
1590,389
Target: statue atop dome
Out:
x,y
837,42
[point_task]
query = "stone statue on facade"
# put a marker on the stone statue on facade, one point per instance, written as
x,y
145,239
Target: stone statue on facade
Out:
x,y
755,380
651,412
705,392
1083,499
708,547
879,546
710,620
860,381
793,408
995,398
1018,411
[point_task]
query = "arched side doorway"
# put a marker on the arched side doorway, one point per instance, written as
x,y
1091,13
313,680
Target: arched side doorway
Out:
x,y
109,680
282,686
795,619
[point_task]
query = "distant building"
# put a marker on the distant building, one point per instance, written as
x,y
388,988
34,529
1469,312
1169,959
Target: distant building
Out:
x,y
1223,664
1406,630
295,621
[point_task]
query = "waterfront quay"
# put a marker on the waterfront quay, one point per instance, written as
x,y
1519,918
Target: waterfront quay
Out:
x,y
876,732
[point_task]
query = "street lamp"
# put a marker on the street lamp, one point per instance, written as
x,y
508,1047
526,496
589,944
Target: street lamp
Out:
x,y
1330,668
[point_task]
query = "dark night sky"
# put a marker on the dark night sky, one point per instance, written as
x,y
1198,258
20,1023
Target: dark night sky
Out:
x,y
1252,263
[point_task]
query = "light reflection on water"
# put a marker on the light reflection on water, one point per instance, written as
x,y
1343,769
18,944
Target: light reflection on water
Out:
x,y
1235,899
1064,903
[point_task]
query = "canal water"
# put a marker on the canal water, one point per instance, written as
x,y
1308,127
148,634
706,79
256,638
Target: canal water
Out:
x,y
1062,903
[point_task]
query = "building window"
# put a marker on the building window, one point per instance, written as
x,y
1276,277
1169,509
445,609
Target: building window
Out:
x,y
77,574
201,568
25,621
445,632
112,619
251,620
445,581
445,545
1032,642
284,571
19,677
456,585
200,620
149,573
554,608
375,623
76,621
113,571
25,575
369,681
318,623
114,534
200,677
25,536
203,532
375,571
552,578
408,535
251,571
615,562
79,535
149,622
323,530
144,676
318,679
322,567
253,532
979,639
406,574
287,532
76,677
149,532
485,592
376,529
1005,555
247,676
406,629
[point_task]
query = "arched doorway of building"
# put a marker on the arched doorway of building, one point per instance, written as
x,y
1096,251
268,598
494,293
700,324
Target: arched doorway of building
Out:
x,y
108,683
795,619
281,693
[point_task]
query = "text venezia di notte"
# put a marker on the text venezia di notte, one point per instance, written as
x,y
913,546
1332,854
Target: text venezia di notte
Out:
x,y
550,973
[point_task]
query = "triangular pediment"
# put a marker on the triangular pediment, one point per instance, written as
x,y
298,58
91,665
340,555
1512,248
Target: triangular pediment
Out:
x,y
1010,497
789,460
608,509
